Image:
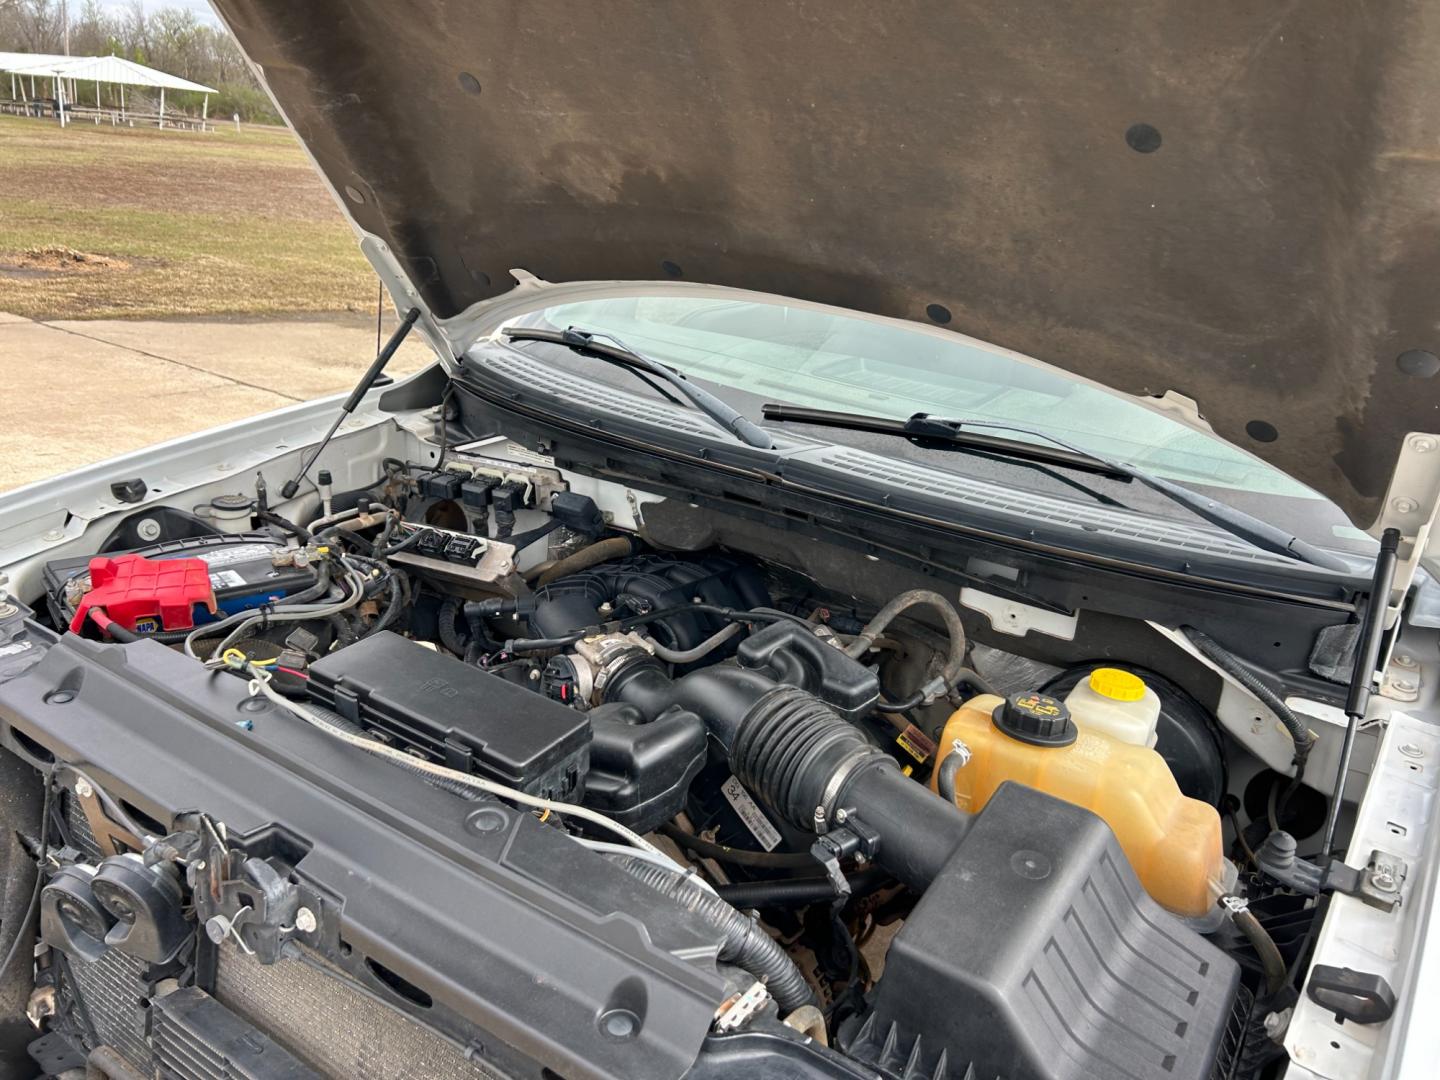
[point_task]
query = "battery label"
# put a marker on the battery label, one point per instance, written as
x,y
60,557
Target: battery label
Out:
x,y
226,579
751,814
239,553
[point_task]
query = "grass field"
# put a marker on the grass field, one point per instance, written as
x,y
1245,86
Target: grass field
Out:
x,y
100,222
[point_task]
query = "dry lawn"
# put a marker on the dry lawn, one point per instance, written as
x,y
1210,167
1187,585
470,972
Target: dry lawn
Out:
x,y
100,222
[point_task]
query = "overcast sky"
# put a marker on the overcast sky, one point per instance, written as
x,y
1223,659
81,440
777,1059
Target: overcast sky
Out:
x,y
200,7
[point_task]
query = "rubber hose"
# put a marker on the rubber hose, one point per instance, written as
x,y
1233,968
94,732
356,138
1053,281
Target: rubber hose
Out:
x,y
945,782
903,705
269,517
954,664
529,645
971,677
745,944
344,632
617,547
1271,961
771,860
705,648
392,608
450,637
1224,659
341,537
796,892
323,577
480,641
729,614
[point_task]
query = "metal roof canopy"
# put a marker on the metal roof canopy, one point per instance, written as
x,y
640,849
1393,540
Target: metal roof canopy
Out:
x,y
108,69
9,61
101,69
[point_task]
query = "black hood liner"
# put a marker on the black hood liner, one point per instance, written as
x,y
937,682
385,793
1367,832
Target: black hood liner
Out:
x,y
1234,200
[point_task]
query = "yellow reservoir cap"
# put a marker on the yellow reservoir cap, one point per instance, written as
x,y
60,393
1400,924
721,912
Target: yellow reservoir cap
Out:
x,y
1117,685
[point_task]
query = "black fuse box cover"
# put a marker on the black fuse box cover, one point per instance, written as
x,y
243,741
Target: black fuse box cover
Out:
x,y
456,714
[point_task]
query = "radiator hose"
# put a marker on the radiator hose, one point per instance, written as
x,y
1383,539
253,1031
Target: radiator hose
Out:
x,y
745,944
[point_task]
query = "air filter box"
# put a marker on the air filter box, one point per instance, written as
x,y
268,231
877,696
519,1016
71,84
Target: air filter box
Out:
x,y
456,714
1036,954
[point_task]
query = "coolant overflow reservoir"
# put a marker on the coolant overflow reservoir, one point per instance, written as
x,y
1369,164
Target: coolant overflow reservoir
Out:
x,y
1172,842
1117,703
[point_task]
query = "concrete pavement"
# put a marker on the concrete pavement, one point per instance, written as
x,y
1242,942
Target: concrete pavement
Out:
x,y
75,392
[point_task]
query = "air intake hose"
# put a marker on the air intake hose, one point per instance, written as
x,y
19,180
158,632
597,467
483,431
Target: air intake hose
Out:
x,y
806,764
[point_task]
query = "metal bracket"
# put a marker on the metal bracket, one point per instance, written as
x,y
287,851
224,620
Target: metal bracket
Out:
x,y
742,1009
853,837
1401,681
245,898
105,831
1376,884
1412,505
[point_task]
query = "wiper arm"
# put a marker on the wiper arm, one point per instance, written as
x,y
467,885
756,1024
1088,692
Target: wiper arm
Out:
x,y
598,343
935,432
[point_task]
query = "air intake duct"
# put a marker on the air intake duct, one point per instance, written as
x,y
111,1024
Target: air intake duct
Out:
x,y
807,764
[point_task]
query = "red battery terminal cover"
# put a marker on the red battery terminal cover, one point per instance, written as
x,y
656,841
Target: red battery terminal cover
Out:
x,y
129,589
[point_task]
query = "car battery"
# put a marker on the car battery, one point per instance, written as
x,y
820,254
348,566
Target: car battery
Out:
x,y
246,571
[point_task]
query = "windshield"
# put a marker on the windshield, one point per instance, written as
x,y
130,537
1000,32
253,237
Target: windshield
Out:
x,y
832,361
828,360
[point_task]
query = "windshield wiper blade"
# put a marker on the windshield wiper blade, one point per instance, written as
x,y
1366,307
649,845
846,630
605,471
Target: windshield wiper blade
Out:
x,y
935,432
598,343
931,434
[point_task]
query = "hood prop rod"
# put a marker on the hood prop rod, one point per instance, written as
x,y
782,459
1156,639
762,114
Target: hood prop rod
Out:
x,y
292,487
1362,677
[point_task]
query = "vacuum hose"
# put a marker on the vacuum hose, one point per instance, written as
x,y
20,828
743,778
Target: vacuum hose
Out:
x,y
954,669
745,944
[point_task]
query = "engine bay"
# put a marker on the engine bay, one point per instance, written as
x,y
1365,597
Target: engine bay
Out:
x,y
754,795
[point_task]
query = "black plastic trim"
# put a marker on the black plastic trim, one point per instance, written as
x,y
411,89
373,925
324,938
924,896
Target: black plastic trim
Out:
x,y
521,937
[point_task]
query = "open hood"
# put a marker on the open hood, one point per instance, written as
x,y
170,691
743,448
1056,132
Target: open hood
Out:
x,y
1238,202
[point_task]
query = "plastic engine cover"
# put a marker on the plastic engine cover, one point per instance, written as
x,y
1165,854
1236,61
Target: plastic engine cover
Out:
x,y
1037,955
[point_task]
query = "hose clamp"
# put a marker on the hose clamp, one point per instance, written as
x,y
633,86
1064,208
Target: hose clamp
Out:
x,y
959,747
833,786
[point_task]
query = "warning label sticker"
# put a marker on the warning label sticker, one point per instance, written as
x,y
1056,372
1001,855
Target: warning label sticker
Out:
x,y
237,554
226,579
751,814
